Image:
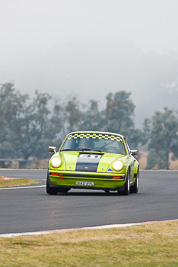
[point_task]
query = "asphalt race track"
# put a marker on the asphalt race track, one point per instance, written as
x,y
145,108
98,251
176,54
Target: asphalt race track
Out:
x,y
30,209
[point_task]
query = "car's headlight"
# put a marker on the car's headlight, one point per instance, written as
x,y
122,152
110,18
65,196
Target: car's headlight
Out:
x,y
56,162
117,165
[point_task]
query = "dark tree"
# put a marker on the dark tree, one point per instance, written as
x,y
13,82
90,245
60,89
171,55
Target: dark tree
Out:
x,y
73,114
11,115
163,139
119,116
92,118
27,125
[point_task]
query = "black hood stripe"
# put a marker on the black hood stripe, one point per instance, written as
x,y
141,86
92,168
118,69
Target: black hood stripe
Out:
x,y
88,162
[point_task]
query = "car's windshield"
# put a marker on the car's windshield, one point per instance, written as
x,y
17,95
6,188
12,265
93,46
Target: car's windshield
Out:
x,y
94,142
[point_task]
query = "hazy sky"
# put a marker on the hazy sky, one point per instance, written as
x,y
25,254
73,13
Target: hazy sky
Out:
x,y
27,24
86,47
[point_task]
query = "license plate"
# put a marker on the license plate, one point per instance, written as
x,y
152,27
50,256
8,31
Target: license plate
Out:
x,y
85,183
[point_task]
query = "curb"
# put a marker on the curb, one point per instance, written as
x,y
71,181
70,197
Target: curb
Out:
x,y
84,228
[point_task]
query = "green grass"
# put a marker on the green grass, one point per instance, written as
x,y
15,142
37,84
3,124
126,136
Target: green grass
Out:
x,y
16,182
136,246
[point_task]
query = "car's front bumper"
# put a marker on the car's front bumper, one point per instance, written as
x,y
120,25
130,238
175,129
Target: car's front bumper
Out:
x,y
86,180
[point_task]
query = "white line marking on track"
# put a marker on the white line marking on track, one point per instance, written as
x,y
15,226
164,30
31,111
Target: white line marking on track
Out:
x,y
83,228
21,187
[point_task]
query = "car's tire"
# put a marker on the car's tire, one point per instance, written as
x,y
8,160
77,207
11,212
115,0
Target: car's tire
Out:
x,y
50,190
126,190
63,190
135,187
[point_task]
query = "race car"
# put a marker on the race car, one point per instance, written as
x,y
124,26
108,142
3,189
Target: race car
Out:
x,y
93,160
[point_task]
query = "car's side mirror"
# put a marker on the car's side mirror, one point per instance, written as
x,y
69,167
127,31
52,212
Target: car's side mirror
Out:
x,y
52,149
134,152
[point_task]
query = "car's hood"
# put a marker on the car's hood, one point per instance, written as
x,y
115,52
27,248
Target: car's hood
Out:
x,y
89,162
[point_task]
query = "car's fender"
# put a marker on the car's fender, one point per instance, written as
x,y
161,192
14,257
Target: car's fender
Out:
x,y
136,166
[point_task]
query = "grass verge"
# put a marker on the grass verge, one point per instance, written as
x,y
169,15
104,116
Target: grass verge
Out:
x,y
5,182
138,246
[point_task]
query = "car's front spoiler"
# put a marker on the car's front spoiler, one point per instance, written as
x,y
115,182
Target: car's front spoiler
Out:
x,y
119,188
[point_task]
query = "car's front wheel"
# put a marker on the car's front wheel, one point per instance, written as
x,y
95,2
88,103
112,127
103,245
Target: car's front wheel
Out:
x,y
50,190
134,188
126,190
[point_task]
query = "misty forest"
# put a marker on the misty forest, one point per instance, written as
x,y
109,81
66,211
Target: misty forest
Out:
x,y
31,124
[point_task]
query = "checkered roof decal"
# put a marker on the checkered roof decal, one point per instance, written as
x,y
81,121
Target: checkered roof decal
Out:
x,y
95,136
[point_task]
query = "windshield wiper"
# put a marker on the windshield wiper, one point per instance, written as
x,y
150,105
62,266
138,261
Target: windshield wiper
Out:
x,y
88,149
67,149
83,149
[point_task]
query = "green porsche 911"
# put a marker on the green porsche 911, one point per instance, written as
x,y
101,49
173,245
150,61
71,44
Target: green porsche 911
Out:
x,y
93,160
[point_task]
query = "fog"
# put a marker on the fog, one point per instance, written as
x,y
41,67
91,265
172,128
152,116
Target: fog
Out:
x,y
88,48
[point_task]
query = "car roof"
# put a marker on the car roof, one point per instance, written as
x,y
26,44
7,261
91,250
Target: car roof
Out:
x,y
98,132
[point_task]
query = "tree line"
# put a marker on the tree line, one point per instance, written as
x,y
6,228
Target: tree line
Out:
x,y
30,124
